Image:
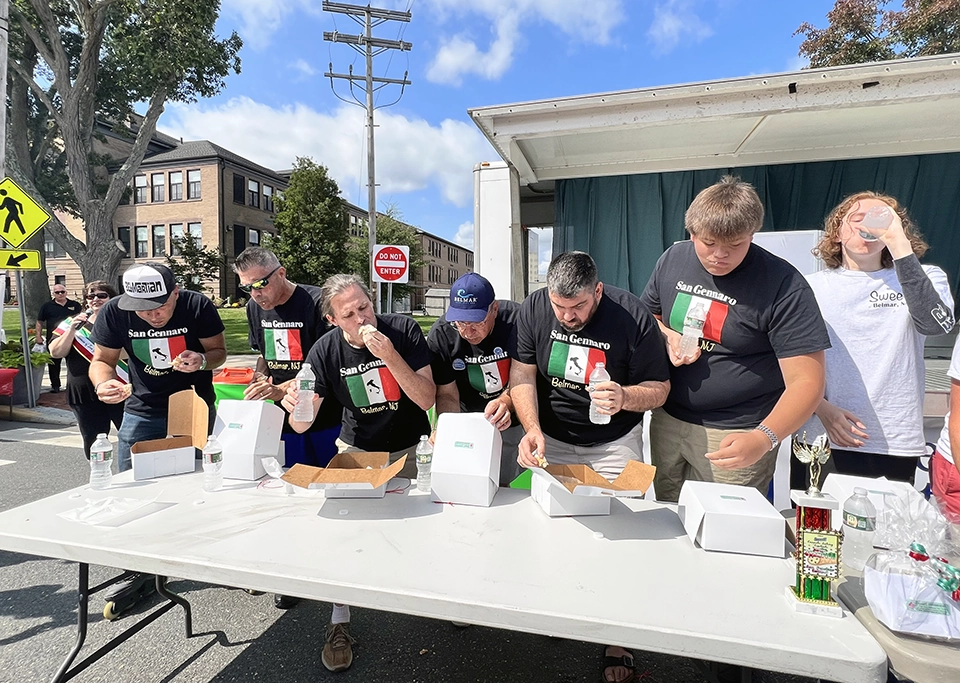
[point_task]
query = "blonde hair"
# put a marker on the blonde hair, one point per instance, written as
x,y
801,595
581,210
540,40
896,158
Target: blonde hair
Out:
x,y
830,249
726,210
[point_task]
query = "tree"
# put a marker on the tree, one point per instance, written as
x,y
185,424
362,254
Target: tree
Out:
x,y
312,236
195,263
82,63
863,31
390,230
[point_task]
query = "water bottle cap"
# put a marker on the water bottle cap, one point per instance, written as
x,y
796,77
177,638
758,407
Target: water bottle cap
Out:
x,y
101,436
860,491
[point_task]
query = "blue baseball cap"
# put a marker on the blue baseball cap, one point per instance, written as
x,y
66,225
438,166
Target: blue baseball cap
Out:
x,y
470,298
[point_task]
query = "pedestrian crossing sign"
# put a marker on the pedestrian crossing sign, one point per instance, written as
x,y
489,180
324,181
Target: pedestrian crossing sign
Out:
x,y
20,215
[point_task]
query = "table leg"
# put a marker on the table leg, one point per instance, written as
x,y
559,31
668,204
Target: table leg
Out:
x,y
65,672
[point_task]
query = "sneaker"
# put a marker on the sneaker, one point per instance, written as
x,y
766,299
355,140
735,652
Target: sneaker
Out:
x,y
337,652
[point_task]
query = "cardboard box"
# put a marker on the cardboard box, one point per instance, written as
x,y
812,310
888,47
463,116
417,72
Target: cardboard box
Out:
x,y
466,460
731,519
248,431
348,475
571,490
187,416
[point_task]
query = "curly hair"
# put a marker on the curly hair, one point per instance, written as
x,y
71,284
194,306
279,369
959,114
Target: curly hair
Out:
x,y
830,249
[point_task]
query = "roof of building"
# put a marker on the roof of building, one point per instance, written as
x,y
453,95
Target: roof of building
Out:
x,y
204,149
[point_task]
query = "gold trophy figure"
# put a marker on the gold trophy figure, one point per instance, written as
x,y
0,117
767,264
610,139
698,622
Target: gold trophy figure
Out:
x,y
815,455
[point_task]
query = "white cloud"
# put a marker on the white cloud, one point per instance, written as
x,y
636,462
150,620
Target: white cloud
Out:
x,y
459,55
259,19
545,245
797,63
303,68
464,236
411,153
673,21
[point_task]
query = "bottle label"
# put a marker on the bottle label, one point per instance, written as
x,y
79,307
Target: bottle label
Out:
x,y
102,456
212,458
305,385
424,458
857,522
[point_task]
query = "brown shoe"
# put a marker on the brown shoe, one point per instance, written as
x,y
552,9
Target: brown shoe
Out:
x,y
337,651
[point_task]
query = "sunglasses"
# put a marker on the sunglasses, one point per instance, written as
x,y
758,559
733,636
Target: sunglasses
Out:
x,y
98,295
259,284
59,291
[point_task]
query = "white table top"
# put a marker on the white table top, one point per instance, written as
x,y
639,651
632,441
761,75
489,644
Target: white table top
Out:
x,y
642,584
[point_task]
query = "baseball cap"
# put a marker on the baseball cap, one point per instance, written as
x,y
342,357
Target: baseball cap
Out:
x,y
470,297
146,287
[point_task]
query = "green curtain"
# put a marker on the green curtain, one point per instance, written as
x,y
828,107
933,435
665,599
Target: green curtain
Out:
x,y
626,222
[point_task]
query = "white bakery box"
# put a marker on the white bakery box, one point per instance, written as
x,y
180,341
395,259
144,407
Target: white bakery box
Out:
x,y
730,518
466,460
573,490
249,431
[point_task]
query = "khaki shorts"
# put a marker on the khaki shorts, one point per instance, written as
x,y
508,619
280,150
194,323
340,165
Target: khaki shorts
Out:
x,y
607,459
409,467
678,450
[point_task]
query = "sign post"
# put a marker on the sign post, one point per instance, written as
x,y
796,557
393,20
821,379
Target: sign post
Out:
x,y
391,263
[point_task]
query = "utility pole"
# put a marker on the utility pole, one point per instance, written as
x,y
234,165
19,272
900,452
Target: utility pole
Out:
x,y
368,17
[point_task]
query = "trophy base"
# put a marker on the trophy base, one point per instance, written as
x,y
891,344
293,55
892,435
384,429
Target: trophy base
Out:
x,y
819,608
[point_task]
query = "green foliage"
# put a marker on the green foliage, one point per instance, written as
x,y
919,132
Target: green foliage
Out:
x,y
11,355
195,263
312,235
864,31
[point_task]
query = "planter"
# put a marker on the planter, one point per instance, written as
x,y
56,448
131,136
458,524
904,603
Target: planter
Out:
x,y
20,385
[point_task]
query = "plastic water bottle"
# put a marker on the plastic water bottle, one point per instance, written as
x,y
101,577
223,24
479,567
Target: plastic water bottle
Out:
x,y
212,464
876,218
598,375
101,463
424,463
303,411
859,528
693,329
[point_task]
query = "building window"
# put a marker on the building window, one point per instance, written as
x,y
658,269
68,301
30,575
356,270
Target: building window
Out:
x,y
469,261
436,249
140,189
238,181
254,238
452,276
196,234
176,235
159,240
123,234
156,181
176,186
193,184
60,280
436,273
52,248
267,198
143,242
453,254
253,188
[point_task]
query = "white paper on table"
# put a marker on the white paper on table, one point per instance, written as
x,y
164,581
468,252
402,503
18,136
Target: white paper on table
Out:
x,y
113,511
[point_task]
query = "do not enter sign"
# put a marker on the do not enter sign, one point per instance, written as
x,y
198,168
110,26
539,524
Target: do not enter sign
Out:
x,y
391,263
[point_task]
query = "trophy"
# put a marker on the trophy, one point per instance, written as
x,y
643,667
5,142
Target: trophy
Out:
x,y
818,545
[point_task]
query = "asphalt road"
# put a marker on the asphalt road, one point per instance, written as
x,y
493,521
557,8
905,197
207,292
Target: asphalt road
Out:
x,y
244,638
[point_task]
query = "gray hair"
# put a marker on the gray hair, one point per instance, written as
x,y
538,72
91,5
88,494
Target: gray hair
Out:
x,y
255,257
571,273
338,284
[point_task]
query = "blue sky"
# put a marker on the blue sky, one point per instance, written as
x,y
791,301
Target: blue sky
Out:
x,y
466,53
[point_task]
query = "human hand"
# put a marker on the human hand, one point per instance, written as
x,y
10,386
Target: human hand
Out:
x,y
290,398
78,320
740,449
673,349
532,442
113,391
497,414
188,361
608,397
843,427
377,343
262,388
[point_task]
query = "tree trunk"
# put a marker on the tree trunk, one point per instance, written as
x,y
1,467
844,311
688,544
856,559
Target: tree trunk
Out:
x,y
101,258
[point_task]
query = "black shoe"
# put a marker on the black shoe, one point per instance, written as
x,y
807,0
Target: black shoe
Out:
x,y
54,390
284,601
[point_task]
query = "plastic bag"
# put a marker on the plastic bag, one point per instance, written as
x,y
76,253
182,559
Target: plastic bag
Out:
x,y
39,347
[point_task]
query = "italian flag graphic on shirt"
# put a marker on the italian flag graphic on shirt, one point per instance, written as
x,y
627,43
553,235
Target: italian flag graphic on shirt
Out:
x,y
282,345
159,352
489,378
573,362
376,385
716,315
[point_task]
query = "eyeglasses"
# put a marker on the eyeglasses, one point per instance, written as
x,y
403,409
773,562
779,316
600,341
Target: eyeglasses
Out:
x,y
261,283
98,295
59,291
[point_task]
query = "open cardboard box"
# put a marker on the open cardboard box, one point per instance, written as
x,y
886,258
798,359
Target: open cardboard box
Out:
x,y
731,518
466,460
249,431
187,426
584,492
348,475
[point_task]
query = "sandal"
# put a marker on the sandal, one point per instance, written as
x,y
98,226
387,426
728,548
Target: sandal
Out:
x,y
625,661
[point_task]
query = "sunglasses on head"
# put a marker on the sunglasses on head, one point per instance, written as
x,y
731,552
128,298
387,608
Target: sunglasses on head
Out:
x,y
261,283
98,295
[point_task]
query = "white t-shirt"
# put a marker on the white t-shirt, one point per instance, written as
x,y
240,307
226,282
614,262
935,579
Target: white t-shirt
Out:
x,y
875,368
943,444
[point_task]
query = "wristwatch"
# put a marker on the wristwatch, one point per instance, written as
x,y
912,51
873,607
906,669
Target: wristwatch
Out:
x,y
203,365
774,440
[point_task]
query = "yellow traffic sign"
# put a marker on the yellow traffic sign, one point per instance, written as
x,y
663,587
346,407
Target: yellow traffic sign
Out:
x,y
20,215
19,259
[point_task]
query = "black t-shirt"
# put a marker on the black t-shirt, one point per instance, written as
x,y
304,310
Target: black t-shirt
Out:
x,y
53,314
152,350
481,371
621,334
284,335
763,311
377,415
